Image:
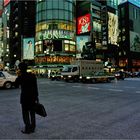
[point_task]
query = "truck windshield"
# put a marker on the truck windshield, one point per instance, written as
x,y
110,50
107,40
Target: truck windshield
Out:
x,y
66,69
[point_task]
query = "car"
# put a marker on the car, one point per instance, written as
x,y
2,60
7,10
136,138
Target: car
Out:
x,y
7,80
120,75
136,74
55,76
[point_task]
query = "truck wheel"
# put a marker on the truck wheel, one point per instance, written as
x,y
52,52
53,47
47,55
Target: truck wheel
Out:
x,y
108,80
8,85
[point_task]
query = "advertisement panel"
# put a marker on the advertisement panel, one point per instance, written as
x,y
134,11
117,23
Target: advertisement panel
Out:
x,y
6,2
28,48
81,40
104,26
134,42
83,24
113,31
53,59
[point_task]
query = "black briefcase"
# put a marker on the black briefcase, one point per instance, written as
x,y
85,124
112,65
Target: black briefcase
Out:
x,y
40,110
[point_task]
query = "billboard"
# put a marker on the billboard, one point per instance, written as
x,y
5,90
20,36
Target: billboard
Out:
x,y
83,24
135,2
113,31
81,40
134,42
6,2
28,48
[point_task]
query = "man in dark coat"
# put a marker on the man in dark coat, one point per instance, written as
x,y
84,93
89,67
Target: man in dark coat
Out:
x,y
28,98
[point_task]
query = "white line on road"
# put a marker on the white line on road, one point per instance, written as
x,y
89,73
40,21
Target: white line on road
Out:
x,y
129,87
93,88
116,90
76,86
137,91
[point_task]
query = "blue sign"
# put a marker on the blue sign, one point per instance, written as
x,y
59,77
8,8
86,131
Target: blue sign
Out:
x,y
135,2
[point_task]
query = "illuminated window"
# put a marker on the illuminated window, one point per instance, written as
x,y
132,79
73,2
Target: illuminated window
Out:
x,y
72,48
66,47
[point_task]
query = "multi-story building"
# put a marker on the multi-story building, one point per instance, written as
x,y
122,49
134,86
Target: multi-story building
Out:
x,y
55,34
102,32
1,35
129,37
19,27
5,35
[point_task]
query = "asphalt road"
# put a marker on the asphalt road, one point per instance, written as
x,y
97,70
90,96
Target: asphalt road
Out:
x,y
77,111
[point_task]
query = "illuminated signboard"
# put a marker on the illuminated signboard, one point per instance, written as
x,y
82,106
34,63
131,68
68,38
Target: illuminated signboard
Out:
x,y
55,34
134,42
104,26
60,26
81,40
113,31
135,2
54,59
28,48
6,2
83,24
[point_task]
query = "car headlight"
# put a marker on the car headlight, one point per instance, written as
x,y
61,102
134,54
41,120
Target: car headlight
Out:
x,y
80,77
87,77
69,76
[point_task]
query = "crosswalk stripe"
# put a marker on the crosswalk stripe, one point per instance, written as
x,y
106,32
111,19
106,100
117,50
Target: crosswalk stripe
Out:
x,y
116,90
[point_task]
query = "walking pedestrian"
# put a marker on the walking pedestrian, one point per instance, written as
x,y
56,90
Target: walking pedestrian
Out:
x,y
28,97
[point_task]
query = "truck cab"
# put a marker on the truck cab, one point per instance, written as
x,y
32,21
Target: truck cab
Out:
x,y
70,72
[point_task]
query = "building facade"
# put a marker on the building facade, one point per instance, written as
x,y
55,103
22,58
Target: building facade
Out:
x,y
101,37
55,36
129,37
18,24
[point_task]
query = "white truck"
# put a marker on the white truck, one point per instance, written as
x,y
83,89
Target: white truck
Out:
x,y
85,71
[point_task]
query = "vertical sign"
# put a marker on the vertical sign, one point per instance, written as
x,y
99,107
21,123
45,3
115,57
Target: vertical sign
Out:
x,y
104,26
28,48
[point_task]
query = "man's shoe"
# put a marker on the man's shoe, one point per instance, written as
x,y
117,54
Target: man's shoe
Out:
x,y
25,132
32,130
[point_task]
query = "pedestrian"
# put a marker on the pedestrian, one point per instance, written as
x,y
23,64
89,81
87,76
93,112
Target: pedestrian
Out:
x,y
28,97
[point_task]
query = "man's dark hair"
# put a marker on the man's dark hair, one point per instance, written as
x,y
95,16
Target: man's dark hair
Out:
x,y
22,66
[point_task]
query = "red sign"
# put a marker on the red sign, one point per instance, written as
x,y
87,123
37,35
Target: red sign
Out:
x,y
1,13
83,24
6,2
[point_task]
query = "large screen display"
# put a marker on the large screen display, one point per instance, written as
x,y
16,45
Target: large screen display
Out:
x,y
135,2
81,40
28,48
113,31
83,24
134,42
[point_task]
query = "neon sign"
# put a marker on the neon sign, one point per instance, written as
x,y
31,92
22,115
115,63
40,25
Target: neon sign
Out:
x,y
84,24
55,34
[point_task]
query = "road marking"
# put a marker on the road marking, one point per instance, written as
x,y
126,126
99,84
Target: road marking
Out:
x,y
116,90
93,88
137,91
133,79
76,86
61,84
129,87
